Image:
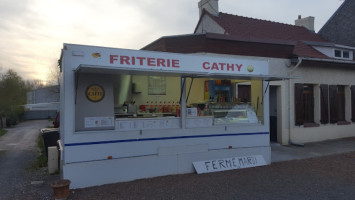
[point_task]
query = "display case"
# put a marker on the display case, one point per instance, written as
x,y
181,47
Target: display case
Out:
x,y
237,114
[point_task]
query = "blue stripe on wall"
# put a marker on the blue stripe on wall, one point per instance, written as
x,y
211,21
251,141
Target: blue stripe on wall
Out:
x,y
163,138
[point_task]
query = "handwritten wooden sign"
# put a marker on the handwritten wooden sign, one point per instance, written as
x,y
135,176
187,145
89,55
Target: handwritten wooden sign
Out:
x,y
228,164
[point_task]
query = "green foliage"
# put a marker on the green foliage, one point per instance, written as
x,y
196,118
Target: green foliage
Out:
x,y
41,158
2,132
13,93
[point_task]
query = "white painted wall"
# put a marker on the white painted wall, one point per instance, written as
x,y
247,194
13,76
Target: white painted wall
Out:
x,y
287,131
210,6
329,51
317,76
307,22
207,25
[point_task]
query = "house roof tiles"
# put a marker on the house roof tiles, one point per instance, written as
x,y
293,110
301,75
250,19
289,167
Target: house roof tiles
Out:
x,y
256,30
249,27
247,36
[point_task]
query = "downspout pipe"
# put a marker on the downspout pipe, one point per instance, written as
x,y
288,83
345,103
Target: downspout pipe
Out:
x,y
296,66
289,104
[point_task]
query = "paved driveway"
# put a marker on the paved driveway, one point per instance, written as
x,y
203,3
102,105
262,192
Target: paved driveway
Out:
x,y
310,150
18,151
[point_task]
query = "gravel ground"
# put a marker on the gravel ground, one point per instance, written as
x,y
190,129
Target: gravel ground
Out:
x,y
329,177
18,151
35,185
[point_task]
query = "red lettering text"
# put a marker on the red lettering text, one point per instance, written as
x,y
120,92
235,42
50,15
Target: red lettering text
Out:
x,y
113,58
151,62
204,65
214,66
133,60
160,62
141,59
176,63
145,61
230,67
222,65
124,59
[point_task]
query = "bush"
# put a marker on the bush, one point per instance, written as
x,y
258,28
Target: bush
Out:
x,y
14,116
41,158
13,93
2,132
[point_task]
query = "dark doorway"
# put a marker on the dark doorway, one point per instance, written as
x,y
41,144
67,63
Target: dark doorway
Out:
x,y
273,113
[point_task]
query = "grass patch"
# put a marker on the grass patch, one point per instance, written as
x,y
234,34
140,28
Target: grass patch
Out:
x,y
41,160
2,132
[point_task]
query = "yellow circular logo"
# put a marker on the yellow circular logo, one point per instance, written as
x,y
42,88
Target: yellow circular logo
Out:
x,y
95,93
250,68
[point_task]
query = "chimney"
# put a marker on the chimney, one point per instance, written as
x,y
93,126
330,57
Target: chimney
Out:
x,y
307,22
209,5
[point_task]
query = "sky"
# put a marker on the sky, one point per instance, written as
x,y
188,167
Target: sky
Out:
x,y
32,32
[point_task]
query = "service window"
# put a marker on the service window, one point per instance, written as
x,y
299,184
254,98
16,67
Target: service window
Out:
x,y
156,96
224,101
145,102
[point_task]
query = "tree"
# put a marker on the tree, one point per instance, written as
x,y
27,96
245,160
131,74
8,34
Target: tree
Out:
x,y
34,84
54,75
12,97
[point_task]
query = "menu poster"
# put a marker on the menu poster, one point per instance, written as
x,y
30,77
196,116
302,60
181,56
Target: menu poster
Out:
x,y
97,122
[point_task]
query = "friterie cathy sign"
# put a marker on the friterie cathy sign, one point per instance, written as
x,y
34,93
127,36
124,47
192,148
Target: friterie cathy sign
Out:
x,y
95,93
189,63
173,62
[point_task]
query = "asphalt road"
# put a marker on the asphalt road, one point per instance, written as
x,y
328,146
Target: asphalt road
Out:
x,y
18,151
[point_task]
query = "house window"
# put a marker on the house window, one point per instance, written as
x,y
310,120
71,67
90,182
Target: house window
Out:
x,y
336,103
337,53
353,103
346,54
343,54
304,104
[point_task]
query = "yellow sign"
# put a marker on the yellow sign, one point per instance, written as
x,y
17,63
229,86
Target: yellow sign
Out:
x,y
95,93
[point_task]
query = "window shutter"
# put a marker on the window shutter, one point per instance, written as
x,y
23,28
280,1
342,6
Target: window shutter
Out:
x,y
332,104
299,110
353,103
324,119
340,103
308,103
